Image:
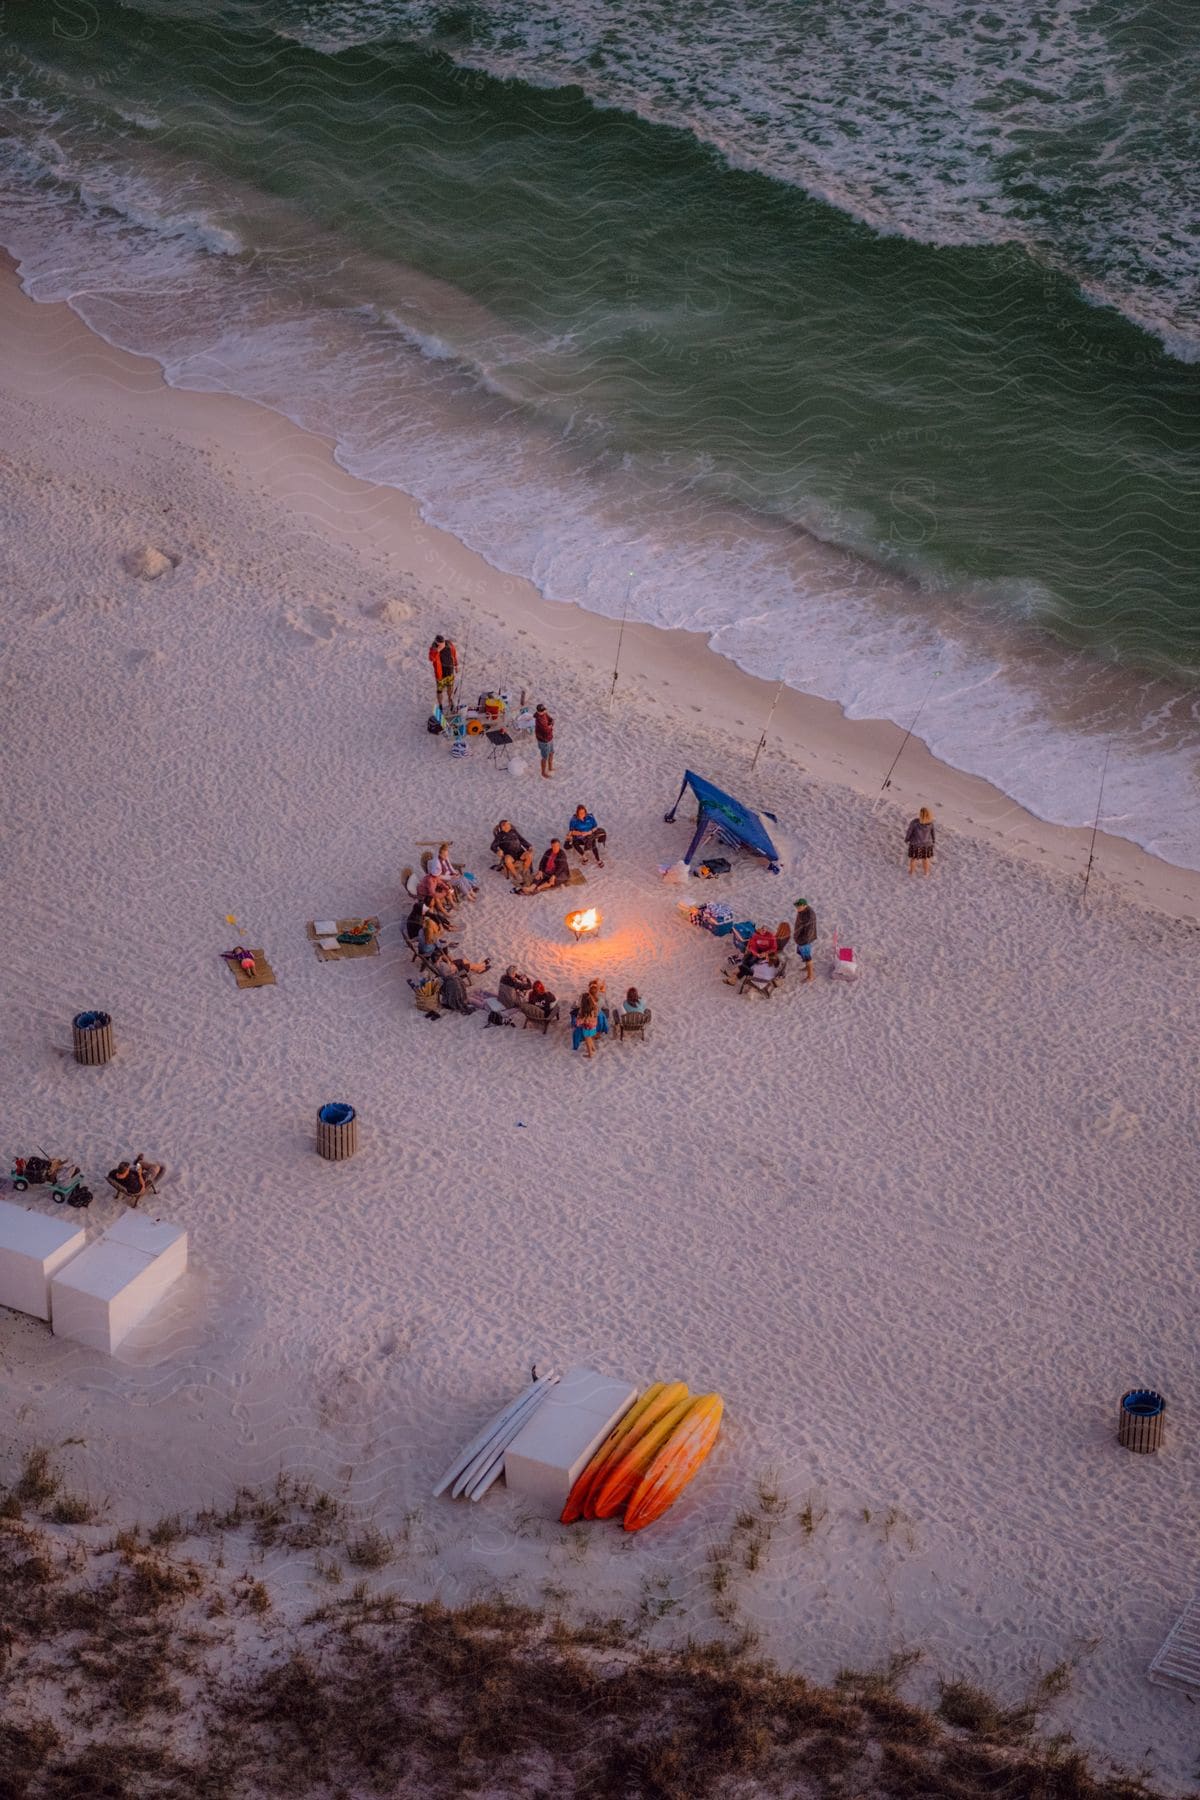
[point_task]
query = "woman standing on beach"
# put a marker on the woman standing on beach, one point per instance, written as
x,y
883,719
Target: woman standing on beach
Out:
x,y
920,838
584,1025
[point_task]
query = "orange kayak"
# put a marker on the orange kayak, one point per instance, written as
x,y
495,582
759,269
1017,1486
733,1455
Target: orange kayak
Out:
x,y
671,1395
622,1474
575,1499
666,1476
668,1397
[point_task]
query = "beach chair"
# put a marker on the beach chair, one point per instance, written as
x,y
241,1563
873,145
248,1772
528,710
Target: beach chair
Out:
x,y
132,1199
760,982
534,1015
632,1024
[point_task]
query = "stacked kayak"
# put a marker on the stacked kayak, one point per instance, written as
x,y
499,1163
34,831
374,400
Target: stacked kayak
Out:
x,y
648,1458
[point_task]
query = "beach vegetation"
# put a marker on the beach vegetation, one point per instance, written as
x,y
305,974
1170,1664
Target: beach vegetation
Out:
x,y
39,1481
370,1548
811,1515
120,1676
72,1509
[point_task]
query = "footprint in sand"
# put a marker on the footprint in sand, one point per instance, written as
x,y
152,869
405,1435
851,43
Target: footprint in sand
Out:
x,y
1119,1122
318,624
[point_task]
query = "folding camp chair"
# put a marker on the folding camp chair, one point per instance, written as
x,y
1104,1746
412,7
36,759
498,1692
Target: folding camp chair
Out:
x,y
500,742
534,1015
131,1199
759,984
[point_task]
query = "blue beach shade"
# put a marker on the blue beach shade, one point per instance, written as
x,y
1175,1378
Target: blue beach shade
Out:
x,y
90,1021
336,1112
1143,1403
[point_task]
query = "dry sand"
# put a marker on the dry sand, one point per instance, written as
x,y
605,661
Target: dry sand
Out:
x,y
920,1233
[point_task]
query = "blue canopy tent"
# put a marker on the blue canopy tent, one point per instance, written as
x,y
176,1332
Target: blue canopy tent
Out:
x,y
722,816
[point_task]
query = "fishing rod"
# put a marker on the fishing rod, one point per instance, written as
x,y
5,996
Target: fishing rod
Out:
x,y
887,780
621,633
766,728
1096,821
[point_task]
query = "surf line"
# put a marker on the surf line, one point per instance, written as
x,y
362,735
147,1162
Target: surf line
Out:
x,y
887,780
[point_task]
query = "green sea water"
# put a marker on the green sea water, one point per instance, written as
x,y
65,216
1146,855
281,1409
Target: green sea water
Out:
x,y
712,298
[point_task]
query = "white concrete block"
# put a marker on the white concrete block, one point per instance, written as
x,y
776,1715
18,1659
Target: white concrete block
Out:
x,y
100,1296
549,1453
154,1237
32,1247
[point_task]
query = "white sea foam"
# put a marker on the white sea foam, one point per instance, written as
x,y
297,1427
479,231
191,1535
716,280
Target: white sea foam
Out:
x,y
947,125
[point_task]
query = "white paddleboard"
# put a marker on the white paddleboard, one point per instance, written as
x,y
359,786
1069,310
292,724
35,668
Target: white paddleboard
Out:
x,y
500,1439
491,1474
494,1425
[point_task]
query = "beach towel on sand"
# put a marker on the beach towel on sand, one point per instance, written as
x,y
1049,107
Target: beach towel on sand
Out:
x,y
335,952
263,976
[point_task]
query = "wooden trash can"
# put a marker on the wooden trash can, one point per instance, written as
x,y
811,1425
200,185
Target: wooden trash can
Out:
x,y
1140,1420
93,1037
337,1131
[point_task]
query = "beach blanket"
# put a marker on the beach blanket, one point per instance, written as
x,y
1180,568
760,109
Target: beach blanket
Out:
x,y
263,976
326,945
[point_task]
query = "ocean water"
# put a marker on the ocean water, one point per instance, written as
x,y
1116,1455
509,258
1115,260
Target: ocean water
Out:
x,y
865,340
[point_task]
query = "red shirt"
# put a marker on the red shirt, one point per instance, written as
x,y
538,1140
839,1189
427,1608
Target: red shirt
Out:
x,y
543,727
763,943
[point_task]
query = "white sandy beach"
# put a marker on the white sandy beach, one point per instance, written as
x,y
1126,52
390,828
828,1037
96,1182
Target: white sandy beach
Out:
x,y
921,1234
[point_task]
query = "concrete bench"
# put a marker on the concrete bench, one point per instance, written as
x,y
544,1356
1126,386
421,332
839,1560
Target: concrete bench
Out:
x,y
100,1296
550,1452
32,1248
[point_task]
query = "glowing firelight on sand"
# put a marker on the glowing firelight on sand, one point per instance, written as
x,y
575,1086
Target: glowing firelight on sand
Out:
x,y
583,923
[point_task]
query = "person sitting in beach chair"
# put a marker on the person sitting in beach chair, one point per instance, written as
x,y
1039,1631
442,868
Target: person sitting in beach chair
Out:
x,y
633,1017
762,977
430,938
541,1006
553,871
130,1180
464,968
760,946
451,984
514,851
763,943
514,986
464,885
433,890
418,912
583,834
532,999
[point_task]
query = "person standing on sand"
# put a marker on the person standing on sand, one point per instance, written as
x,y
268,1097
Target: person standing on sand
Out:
x,y
444,659
920,838
804,936
543,730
